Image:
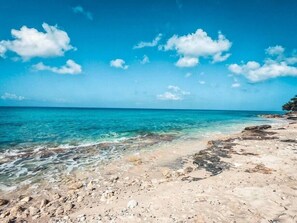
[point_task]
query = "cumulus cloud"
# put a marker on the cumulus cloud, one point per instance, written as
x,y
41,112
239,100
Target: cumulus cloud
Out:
x,y
174,93
195,45
275,50
145,59
149,44
14,97
202,82
272,67
80,10
119,63
29,42
69,68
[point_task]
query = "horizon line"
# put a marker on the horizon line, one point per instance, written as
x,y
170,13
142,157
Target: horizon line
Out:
x,y
191,109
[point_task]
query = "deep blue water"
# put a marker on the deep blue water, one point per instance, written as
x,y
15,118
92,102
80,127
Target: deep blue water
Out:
x,y
38,140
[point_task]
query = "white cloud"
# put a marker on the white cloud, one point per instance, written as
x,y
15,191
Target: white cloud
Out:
x,y
187,62
149,44
119,63
275,50
188,74
202,82
29,42
145,59
80,10
9,96
69,68
271,68
195,45
235,85
2,50
174,93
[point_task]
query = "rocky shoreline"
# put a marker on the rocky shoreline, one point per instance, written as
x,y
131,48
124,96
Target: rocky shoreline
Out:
x,y
245,177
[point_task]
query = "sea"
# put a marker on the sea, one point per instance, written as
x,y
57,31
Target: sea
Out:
x,y
42,143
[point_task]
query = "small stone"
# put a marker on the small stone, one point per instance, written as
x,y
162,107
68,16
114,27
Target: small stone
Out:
x,y
56,196
33,210
76,186
68,206
132,204
59,210
188,169
107,195
91,186
114,179
3,201
166,173
14,211
26,199
80,199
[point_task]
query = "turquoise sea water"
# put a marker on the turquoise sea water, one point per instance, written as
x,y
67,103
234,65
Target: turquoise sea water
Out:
x,y
38,142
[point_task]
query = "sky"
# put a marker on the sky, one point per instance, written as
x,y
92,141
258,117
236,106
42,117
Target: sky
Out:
x,y
181,54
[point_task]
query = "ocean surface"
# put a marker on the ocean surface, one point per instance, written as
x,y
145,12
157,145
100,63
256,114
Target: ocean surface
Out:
x,y
44,142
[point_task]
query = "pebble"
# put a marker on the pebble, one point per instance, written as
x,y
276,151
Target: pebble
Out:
x,y
26,199
132,204
33,210
76,186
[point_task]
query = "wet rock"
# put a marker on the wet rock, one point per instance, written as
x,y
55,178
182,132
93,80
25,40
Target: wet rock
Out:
x,y
3,201
257,133
76,186
258,127
132,204
210,158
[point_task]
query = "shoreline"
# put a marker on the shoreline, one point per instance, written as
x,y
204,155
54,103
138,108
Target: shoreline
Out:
x,y
178,182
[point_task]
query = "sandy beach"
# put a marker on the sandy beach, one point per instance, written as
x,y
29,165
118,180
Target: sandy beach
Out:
x,y
249,176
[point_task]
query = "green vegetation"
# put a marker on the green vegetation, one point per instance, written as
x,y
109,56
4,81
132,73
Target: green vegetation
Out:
x,y
291,105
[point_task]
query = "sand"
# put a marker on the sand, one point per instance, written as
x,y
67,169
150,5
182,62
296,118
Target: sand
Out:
x,y
249,176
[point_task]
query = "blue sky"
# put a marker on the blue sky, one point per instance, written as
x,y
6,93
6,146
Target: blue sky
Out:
x,y
148,54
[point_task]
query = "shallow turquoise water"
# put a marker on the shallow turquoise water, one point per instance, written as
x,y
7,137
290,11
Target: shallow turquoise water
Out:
x,y
37,141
